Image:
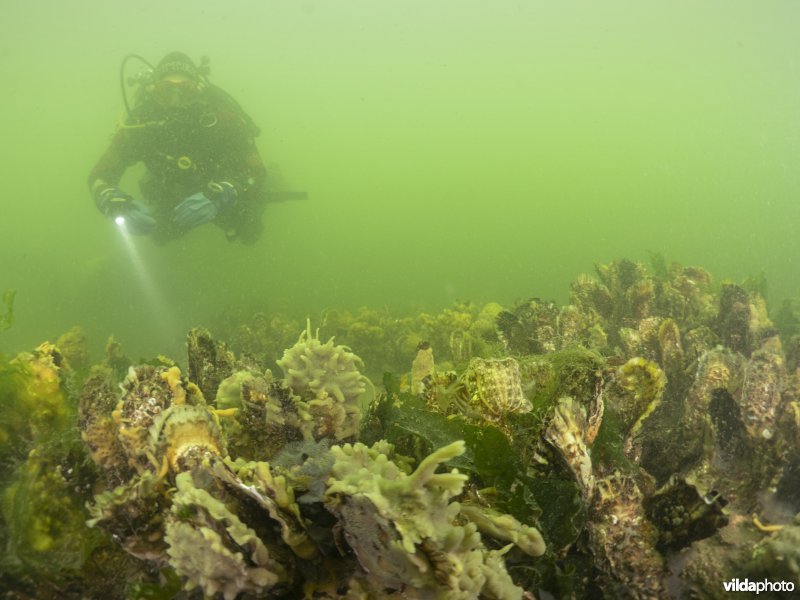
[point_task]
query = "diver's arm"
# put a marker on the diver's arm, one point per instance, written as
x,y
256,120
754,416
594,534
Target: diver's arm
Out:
x,y
242,165
108,198
109,169
245,170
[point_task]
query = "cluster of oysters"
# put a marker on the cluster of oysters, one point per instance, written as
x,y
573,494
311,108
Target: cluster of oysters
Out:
x,y
667,408
251,486
673,408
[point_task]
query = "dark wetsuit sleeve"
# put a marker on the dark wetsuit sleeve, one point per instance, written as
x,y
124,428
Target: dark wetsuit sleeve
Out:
x,y
242,166
112,164
240,162
250,226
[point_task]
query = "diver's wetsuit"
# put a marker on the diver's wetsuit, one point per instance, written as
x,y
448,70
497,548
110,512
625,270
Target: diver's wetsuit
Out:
x,y
184,149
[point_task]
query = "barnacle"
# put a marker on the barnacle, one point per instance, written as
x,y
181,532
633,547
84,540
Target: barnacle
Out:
x,y
145,395
148,393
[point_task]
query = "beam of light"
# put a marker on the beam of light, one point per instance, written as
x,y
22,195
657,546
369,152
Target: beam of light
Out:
x,y
159,308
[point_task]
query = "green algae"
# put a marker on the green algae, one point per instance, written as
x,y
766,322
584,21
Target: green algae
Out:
x,y
7,318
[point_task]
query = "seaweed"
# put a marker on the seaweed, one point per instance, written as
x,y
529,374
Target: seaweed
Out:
x,y
168,587
608,448
42,507
494,463
787,318
405,421
757,284
573,372
659,265
8,318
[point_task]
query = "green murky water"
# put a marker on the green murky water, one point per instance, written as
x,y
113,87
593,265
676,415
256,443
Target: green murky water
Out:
x,y
452,151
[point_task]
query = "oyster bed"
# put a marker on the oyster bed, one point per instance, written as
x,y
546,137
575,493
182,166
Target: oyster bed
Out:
x,y
642,441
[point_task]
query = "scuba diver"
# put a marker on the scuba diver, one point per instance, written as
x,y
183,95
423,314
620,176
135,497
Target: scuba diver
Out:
x,y
198,147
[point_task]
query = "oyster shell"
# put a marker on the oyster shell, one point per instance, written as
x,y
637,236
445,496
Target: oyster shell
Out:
x,y
494,387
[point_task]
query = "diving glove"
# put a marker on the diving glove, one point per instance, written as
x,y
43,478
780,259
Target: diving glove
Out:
x,y
203,207
136,217
112,200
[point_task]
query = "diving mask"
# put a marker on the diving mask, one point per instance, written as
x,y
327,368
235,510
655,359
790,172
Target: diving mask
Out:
x,y
175,90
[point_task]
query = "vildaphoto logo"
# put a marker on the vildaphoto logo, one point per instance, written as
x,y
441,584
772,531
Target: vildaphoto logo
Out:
x,y
745,585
